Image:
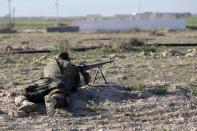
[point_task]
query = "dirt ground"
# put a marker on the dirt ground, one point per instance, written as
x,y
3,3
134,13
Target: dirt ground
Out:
x,y
146,91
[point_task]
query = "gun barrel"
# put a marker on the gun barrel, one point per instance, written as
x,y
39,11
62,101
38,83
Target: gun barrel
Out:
x,y
102,63
83,67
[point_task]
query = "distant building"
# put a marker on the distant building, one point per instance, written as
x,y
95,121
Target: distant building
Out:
x,y
78,18
124,16
93,17
152,15
175,15
123,25
145,15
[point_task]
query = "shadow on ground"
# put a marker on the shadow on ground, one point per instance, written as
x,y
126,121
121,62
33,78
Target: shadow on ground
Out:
x,y
89,101
95,100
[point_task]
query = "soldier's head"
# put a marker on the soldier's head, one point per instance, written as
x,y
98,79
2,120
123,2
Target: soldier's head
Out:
x,y
64,56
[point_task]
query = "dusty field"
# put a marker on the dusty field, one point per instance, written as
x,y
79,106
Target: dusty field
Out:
x,y
147,91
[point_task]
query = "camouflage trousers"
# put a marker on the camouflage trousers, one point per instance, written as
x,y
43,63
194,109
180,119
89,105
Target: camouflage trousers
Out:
x,y
50,90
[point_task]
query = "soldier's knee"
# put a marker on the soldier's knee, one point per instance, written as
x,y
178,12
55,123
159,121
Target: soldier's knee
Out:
x,y
60,100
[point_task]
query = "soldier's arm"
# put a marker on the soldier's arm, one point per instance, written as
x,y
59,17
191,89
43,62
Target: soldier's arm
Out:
x,y
86,77
77,81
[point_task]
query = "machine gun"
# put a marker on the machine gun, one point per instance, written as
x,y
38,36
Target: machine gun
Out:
x,y
83,67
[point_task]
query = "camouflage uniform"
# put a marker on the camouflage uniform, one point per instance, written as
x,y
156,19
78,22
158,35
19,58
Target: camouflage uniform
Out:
x,y
61,78
69,78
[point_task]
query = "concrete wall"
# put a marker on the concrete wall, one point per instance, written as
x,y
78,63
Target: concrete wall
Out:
x,y
130,24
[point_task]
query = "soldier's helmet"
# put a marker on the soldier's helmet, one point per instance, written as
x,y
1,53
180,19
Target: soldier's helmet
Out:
x,y
64,56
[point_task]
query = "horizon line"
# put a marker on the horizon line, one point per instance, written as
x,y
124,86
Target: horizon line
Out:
x,y
134,13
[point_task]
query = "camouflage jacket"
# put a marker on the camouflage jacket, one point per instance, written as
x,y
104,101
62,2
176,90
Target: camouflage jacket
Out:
x,y
64,70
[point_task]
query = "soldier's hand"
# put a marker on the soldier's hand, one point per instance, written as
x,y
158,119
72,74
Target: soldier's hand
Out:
x,y
23,91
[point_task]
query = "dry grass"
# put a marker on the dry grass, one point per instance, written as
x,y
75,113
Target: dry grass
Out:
x,y
147,91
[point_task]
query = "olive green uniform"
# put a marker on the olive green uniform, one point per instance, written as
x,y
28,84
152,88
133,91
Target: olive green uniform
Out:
x,y
60,79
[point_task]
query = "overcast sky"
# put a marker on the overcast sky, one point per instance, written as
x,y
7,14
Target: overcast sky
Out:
x,y
103,7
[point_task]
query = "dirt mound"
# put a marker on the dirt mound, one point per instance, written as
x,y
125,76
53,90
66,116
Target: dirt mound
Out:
x,y
149,55
124,43
191,53
171,53
157,33
8,48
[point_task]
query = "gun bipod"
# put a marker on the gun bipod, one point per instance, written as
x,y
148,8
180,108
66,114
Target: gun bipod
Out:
x,y
97,71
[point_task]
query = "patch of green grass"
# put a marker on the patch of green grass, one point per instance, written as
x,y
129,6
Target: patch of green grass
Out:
x,y
128,48
60,48
135,87
5,37
156,89
109,50
192,21
18,83
193,89
159,89
97,107
144,48
33,23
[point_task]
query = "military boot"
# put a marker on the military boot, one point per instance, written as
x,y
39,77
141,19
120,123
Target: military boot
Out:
x,y
25,104
50,103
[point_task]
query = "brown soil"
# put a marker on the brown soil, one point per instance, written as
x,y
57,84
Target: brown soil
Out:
x,y
121,105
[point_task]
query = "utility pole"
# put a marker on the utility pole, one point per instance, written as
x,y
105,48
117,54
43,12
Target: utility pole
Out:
x,y
57,9
139,6
9,6
13,14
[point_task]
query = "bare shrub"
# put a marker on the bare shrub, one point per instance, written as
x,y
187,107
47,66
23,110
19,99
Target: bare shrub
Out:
x,y
159,89
191,53
171,53
124,44
25,45
157,33
133,44
62,46
6,48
